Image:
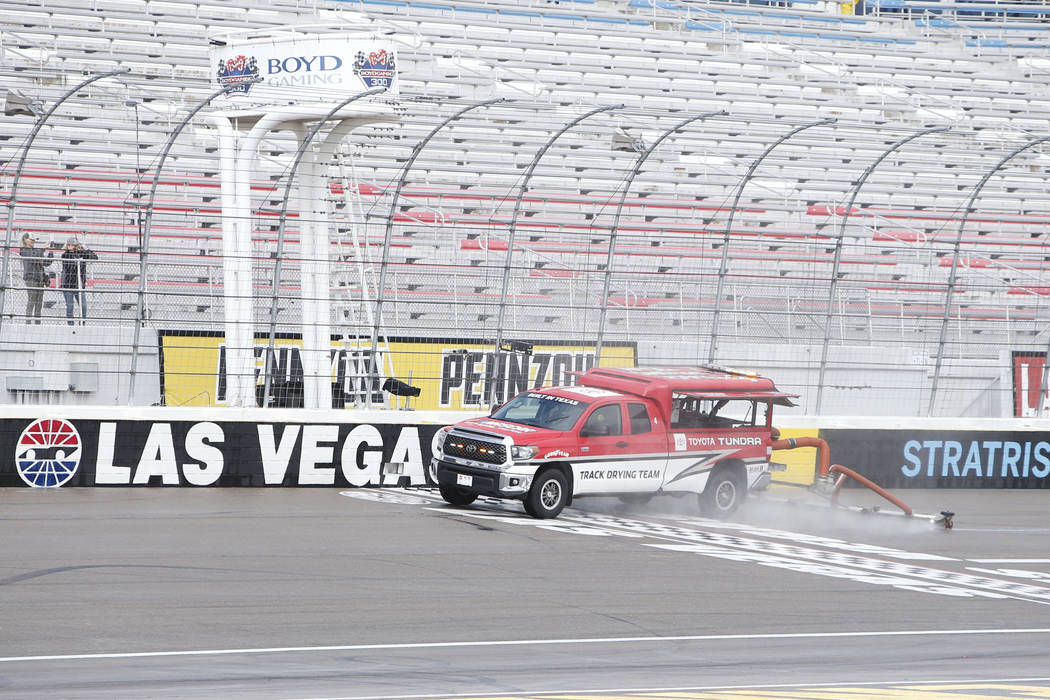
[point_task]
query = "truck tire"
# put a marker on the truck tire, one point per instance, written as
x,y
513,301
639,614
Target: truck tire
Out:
x,y
457,496
725,491
548,495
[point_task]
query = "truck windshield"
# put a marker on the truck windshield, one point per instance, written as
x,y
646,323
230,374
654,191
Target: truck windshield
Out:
x,y
542,411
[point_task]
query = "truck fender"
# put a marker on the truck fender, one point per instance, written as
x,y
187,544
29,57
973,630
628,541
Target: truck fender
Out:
x,y
732,464
566,469
726,489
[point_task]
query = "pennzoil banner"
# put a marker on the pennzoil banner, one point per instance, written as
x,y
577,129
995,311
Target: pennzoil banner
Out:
x,y
453,374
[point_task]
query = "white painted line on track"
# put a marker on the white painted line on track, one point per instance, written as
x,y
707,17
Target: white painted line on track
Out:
x,y
529,642
690,689
1010,561
1013,530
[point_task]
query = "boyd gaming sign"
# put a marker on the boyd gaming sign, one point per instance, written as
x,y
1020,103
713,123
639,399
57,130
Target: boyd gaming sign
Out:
x,y
303,68
51,452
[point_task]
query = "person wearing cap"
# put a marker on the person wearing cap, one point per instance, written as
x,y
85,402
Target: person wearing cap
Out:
x,y
74,279
34,272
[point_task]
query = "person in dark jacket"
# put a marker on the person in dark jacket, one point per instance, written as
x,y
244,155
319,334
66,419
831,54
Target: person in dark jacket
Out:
x,y
74,277
34,272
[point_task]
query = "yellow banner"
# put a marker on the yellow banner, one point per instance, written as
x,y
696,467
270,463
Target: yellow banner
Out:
x,y
450,374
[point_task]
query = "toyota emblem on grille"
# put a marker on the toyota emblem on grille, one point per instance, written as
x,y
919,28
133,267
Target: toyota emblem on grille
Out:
x,y
472,448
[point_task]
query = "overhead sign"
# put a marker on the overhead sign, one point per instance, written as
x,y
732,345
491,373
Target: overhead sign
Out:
x,y
451,374
295,66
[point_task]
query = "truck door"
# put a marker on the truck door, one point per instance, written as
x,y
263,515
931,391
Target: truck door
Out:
x,y
647,441
705,431
615,459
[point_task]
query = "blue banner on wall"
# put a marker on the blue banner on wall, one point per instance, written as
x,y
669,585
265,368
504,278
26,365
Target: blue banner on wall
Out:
x,y
940,459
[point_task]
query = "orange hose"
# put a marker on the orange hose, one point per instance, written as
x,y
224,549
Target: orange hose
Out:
x,y
870,484
823,453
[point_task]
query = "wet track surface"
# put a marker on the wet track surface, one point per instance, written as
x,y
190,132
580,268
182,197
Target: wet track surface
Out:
x,y
320,593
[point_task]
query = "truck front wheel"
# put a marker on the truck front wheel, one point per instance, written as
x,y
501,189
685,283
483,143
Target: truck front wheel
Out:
x,y
725,491
457,496
548,495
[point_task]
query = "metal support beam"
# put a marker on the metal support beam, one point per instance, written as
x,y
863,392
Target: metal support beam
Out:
x,y
513,230
384,263
144,243
303,146
616,222
838,247
954,271
724,264
12,197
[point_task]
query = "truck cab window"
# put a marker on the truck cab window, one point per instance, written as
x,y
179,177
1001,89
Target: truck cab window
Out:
x,y
639,415
605,420
699,412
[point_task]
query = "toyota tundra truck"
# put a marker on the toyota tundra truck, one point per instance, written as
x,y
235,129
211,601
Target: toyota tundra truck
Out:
x,y
626,432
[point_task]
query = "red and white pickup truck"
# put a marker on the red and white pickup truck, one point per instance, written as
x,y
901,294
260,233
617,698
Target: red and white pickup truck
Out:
x,y
621,432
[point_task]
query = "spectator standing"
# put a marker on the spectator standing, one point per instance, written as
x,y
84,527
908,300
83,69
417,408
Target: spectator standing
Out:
x,y
74,277
34,272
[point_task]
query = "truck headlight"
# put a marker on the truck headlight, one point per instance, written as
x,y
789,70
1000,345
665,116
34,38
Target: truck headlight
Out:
x,y
438,444
523,451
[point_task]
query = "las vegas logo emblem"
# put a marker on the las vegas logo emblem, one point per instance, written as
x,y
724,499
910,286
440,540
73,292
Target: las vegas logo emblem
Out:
x,y
48,452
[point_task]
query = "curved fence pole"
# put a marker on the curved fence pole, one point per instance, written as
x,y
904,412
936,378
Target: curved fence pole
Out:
x,y
505,286
616,222
1045,379
838,247
388,233
147,229
275,289
955,266
724,264
12,198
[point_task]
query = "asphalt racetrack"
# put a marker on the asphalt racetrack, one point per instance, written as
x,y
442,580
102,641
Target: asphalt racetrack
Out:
x,y
322,593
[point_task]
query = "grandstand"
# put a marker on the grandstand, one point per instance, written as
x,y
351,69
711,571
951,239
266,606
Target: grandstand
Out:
x,y
910,270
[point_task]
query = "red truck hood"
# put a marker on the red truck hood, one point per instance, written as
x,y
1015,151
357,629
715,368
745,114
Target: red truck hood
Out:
x,y
521,434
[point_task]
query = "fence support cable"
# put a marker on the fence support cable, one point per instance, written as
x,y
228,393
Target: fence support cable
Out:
x,y
616,223
724,264
838,249
12,197
952,275
275,288
384,263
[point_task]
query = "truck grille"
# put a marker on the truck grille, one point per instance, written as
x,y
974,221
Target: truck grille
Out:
x,y
477,450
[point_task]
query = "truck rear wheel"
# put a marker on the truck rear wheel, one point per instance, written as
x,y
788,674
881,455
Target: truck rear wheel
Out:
x,y
548,495
457,496
725,491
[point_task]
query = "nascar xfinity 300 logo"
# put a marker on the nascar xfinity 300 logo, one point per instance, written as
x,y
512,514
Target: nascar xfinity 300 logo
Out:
x,y
375,69
240,71
48,452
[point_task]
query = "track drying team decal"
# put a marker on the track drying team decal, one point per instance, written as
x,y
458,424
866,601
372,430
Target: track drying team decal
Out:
x,y
48,452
